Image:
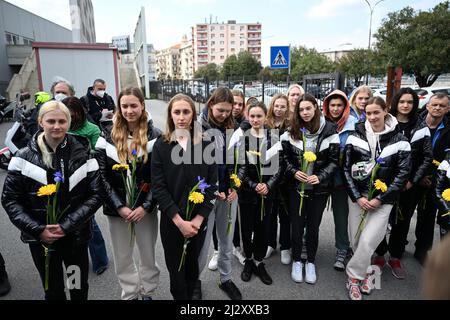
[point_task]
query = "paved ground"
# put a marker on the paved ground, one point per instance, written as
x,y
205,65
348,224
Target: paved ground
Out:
x,y
329,286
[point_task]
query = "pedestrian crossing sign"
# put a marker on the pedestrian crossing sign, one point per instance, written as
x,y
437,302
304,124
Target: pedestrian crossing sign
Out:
x,y
279,57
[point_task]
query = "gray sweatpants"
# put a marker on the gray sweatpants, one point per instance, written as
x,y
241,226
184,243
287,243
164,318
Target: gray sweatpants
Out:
x,y
220,215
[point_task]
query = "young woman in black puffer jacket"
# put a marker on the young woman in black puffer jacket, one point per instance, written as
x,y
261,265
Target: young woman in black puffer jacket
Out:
x,y
80,194
377,142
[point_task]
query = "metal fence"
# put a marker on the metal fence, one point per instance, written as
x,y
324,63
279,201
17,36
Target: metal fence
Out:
x,y
319,85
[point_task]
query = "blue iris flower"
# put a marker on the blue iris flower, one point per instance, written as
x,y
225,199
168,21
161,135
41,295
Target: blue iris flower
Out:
x,y
202,185
58,177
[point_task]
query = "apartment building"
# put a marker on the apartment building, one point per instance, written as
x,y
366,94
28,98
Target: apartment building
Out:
x,y
168,63
214,42
186,59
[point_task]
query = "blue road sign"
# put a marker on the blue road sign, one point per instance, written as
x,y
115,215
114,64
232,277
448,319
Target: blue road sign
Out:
x,y
279,57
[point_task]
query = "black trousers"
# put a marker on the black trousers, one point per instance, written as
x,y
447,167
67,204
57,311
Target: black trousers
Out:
x,y
181,282
66,252
279,211
251,224
2,264
400,218
311,217
426,220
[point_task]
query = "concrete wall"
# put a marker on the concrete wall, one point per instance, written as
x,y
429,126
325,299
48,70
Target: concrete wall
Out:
x,y
22,23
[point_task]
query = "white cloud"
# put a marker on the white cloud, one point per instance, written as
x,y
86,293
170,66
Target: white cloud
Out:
x,y
330,8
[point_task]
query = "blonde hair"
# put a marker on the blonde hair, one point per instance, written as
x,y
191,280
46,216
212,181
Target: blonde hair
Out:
x,y
49,106
359,90
299,87
119,133
194,131
271,116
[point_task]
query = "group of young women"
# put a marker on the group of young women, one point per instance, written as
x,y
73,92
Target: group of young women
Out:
x,y
282,162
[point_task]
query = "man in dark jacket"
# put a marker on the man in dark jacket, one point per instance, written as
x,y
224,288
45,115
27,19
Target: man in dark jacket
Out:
x,y
438,123
97,103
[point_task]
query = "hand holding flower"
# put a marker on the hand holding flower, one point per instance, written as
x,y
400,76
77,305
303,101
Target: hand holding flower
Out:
x,y
262,189
232,195
313,180
301,176
136,215
124,212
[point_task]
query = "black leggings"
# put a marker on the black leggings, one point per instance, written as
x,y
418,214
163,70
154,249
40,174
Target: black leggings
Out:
x,y
67,252
311,217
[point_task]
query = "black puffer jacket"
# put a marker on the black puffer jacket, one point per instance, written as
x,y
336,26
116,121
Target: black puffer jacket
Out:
x,y
248,172
421,152
327,152
94,105
107,157
81,192
443,183
394,171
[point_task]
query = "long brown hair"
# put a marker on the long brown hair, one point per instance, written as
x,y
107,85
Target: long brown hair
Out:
x,y
170,126
119,134
298,123
239,93
271,116
221,94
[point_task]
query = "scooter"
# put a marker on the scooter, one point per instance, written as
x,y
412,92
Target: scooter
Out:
x,y
8,110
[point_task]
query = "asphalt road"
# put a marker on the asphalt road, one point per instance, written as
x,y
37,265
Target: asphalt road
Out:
x,y
330,283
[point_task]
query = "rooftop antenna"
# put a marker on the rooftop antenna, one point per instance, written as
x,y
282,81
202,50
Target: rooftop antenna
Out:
x,y
210,19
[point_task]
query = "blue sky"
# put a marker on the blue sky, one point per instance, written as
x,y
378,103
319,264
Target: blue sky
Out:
x,y
320,24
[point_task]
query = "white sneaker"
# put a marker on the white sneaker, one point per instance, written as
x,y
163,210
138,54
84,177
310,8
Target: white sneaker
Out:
x,y
212,265
269,252
286,256
238,254
310,273
297,271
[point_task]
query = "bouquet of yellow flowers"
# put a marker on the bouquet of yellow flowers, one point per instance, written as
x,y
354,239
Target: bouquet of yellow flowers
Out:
x,y
374,184
131,188
54,214
196,198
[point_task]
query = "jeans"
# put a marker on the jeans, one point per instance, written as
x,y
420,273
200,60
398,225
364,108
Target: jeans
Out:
x,y
97,249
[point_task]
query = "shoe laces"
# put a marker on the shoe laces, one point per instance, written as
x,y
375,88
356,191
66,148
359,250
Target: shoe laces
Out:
x,y
395,264
297,267
310,267
341,255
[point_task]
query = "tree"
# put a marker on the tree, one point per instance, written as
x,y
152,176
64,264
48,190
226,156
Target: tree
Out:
x,y
417,41
359,63
308,61
210,71
248,65
230,67
266,73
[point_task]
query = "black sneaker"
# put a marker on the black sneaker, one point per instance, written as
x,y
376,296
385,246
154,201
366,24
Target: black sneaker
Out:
x,y
262,274
420,256
5,286
197,292
249,268
231,290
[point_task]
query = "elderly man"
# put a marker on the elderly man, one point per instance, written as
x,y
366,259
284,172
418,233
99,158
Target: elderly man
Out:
x,y
62,89
439,125
98,103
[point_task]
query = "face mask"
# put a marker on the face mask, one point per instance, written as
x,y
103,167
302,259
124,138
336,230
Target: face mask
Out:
x,y
101,93
60,97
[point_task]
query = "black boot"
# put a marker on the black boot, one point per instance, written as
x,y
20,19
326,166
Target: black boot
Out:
x,y
5,286
197,292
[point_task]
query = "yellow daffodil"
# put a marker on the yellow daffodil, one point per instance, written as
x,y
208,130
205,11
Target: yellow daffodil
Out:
x,y
310,156
446,194
236,180
47,190
436,163
255,153
120,167
380,185
196,197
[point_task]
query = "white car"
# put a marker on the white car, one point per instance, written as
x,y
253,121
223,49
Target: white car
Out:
x,y
426,93
380,92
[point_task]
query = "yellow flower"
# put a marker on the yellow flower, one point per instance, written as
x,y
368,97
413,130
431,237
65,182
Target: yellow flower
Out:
x,y
236,180
120,167
47,190
380,185
310,156
436,163
446,194
196,197
255,153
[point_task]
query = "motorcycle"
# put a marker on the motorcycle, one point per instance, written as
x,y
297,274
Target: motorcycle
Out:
x,y
17,136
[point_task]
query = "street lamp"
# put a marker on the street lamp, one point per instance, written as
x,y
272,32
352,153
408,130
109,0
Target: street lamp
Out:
x,y
370,26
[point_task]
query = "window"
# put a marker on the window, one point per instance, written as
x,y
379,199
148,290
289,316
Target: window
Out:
x,y
222,57
222,27
213,57
222,42
212,28
242,43
213,35
233,49
242,28
9,39
213,43
232,43
213,50
222,49
222,35
232,27
233,35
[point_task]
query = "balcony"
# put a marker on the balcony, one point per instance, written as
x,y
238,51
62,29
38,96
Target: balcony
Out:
x,y
16,54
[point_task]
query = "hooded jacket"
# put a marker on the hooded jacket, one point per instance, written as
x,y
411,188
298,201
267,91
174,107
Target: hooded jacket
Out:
x,y
364,145
81,192
327,152
94,105
443,183
107,156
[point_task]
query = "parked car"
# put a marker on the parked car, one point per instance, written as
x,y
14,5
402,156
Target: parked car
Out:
x,y
426,93
380,92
